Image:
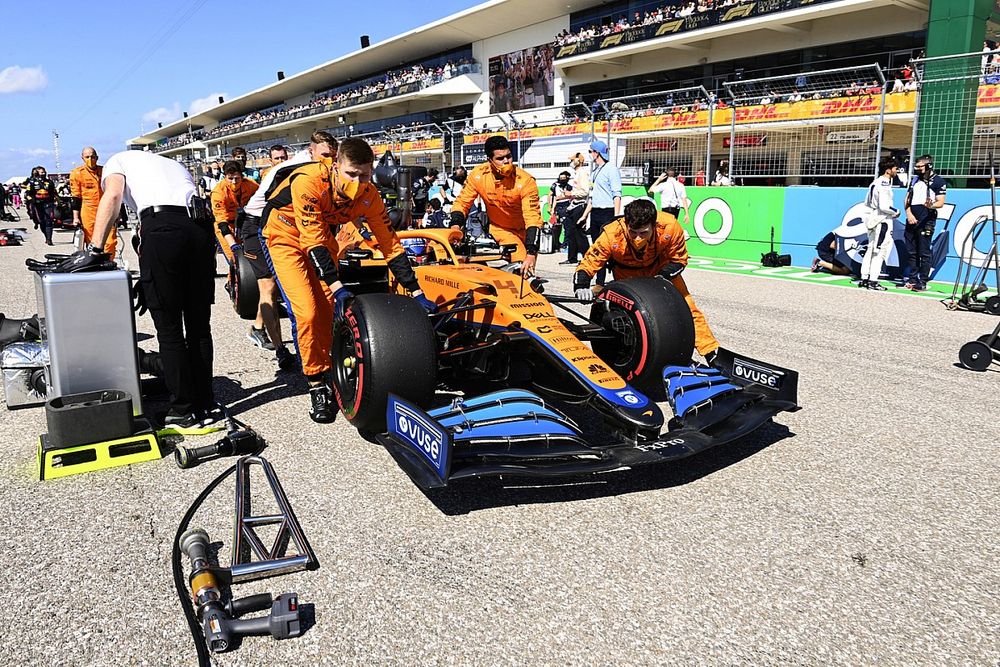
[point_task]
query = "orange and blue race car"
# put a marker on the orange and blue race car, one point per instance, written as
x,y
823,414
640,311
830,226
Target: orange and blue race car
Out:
x,y
499,380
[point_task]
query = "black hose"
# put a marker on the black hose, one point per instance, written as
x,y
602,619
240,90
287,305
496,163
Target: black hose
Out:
x,y
204,659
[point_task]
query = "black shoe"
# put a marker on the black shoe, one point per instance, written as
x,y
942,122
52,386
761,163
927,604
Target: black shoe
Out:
x,y
174,420
259,338
568,261
286,360
876,286
213,417
322,409
864,284
49,243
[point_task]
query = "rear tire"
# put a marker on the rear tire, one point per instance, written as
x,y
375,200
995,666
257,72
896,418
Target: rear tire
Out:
x,y
245,291
652,328
384,345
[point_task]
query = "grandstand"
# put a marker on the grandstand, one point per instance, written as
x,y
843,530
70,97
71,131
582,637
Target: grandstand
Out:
x,y
787,92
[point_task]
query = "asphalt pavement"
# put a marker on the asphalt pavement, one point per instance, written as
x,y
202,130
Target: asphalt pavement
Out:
x,y
859,530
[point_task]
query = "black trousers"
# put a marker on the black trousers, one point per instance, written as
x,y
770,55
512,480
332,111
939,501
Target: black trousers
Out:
x,y
599,218
177,274
46,219
576,238
918,239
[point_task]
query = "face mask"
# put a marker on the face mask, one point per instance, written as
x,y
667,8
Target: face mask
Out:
x,y
639,241
215,172
562,182
90,162
348,190
327,160
504,170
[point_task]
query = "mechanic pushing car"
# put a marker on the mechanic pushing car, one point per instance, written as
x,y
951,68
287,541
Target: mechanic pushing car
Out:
x,y
228,199
512,205
643,244
300,220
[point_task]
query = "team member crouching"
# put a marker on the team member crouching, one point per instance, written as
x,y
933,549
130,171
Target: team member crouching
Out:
x,y
878,221
299,222
511,197
645,243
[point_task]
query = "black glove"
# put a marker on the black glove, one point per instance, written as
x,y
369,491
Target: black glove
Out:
x,y
531,240
581,281
83,260
457,219
322,261
671,270
138,299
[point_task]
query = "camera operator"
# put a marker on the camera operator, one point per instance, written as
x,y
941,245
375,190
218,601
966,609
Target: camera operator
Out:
x,y
923,199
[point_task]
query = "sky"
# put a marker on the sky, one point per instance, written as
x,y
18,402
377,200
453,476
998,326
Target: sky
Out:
x,y
100,73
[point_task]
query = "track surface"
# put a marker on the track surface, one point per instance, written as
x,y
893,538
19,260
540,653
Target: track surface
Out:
x,y
860,530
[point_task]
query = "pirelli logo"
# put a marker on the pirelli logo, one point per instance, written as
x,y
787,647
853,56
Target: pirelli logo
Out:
x,y
612,40
567,50
670,27
742,11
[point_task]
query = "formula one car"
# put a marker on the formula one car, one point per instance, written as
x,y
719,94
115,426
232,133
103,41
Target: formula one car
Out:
x,y
520,368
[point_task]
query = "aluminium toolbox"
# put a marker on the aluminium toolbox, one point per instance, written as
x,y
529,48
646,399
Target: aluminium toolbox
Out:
x,y
23,366
87,321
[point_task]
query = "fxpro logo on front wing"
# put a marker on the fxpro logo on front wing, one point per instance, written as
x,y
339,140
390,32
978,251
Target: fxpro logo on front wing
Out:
x,y
421,434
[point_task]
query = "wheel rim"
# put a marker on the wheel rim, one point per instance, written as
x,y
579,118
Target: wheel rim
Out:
x,y
345,365
623,327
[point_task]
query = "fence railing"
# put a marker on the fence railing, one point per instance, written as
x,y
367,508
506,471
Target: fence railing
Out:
x,y
827,127
958,113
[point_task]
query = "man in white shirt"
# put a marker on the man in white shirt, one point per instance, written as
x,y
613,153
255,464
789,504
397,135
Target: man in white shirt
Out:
x,y
878,221
176,272
673,195
321,144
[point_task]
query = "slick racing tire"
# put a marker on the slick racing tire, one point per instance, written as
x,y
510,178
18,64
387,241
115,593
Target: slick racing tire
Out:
x,y
383,345
243,286
652,327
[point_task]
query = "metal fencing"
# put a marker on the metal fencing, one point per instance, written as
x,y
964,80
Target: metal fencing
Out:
x,y
827,127
802,128
652,132
957,118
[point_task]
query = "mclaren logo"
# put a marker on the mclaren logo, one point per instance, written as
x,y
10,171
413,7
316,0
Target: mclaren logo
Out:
x,y
611,40
566,51
739,12
669,27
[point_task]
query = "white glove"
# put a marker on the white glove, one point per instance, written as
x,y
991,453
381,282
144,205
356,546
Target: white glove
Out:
x,y
585,294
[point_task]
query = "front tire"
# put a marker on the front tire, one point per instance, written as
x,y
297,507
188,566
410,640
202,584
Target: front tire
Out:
x,y
652,328
384,345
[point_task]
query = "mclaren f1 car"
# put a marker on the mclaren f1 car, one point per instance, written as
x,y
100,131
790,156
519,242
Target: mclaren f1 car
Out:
x,y
486,385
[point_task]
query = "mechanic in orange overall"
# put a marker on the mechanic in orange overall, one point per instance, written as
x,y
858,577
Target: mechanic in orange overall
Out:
x,y
512,205
228,199
85,190
643,244
300,222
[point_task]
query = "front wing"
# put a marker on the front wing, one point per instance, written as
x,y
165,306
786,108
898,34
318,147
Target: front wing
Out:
x,y
515,432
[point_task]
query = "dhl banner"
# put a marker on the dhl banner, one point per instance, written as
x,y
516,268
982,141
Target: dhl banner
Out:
x,y
422,145
825,109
